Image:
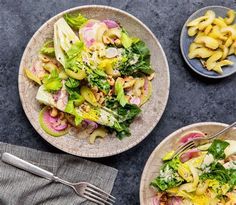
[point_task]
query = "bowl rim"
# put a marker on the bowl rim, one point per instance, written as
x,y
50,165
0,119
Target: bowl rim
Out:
x,y
152,155
182,39
164,101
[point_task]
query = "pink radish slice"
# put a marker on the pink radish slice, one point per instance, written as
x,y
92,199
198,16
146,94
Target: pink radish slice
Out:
x,y
38,69
135,100
60,127
110,23
51,125
189,136
190,154
145,84
91,125
89,42
90,24
52,119
174,200
156,199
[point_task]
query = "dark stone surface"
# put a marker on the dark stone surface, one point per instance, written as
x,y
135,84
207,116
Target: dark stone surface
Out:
x,y
192,99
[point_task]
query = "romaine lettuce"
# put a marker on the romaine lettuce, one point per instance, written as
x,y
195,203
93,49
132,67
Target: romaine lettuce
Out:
x,y
52,82
119,91
217,149
136,59
75,20
48,48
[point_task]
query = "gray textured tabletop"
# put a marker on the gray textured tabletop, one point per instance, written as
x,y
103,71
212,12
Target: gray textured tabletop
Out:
x,y
192,99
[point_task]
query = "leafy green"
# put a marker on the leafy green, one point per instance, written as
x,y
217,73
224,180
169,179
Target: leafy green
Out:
x,y
48,48
70,108
52,82
75,20
75,99
121,129
169,176
136,59
64,39
72,83
119,91
75,49
125,39
232,174
125,115
74,61
217,172
96,79
75,96
74,57
217,149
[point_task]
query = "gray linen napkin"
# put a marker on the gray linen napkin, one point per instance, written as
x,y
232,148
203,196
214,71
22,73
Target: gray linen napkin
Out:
x,y
18,187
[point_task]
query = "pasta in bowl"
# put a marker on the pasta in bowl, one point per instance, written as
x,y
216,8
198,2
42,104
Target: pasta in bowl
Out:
x,y
207,41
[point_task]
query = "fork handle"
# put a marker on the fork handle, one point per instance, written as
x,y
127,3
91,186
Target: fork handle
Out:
x,y
26,166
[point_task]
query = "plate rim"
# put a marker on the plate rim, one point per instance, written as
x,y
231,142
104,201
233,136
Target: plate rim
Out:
x,y
182,39
164,101
171,135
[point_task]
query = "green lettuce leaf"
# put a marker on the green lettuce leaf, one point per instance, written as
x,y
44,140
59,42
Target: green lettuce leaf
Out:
x,y
75,50
125,115
119,91
217,172
169,176
217,149
52,82
72,83
96,78
75,99
48,48
75,20
125,39
70,108
136,59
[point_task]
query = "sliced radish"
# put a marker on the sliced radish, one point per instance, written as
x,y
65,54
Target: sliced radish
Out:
x,y
135,100
189,136
111,52
174,200
60,127
111,23
190,154
51,125
91,126
38,70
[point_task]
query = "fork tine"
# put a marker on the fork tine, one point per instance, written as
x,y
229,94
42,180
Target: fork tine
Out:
x,y
100,190
93,200
183,148
100,195
95,197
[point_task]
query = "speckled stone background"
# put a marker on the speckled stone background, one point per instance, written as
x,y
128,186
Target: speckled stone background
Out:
x,y
192,99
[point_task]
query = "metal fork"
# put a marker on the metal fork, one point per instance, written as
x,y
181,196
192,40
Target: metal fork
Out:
x,y
83,189
200,141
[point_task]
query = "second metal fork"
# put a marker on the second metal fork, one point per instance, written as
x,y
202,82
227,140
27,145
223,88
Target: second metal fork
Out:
x,y
200,141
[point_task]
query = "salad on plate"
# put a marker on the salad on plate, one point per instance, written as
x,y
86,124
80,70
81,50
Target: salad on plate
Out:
x,y
92,75
205,175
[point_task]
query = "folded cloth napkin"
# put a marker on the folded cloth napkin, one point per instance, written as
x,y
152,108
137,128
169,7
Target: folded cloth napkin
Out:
x,y
18,187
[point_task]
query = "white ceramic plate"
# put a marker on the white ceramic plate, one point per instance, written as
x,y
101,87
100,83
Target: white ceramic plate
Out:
x,y
154,162
151,111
